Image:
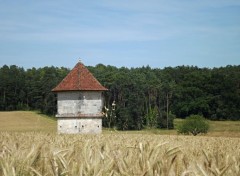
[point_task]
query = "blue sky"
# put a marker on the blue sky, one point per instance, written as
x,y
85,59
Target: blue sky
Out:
x,y
129,33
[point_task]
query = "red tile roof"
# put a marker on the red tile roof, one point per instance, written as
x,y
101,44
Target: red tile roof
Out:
x,y
79,78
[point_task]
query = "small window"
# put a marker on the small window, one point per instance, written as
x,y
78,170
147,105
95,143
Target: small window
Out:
x,y
60,126
75,126
82,126
98,126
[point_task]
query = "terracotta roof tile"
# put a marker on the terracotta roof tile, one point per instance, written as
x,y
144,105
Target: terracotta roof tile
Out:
x,y
79,78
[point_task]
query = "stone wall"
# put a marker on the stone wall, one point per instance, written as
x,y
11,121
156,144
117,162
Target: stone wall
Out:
x,y
81,126
75,103
80,112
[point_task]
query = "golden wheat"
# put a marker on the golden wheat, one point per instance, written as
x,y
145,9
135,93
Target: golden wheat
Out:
x,y
43,154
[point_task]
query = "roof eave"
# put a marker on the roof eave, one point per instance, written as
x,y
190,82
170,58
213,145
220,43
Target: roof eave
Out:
x,y
68,90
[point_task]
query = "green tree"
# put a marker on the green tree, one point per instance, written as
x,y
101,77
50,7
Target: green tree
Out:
x,y
166,121
151,118
143,95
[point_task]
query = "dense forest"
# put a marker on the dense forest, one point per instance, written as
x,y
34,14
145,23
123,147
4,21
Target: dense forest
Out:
x,y
145,97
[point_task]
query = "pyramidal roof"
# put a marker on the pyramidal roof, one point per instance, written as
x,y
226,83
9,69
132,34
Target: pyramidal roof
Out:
x,y
79,78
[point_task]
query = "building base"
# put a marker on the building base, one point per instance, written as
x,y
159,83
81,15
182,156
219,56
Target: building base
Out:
x,y
79,125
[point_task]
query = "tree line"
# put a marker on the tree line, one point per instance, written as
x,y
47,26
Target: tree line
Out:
x,y
145,97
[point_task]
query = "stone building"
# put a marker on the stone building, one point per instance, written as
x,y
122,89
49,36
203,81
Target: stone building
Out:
x,y
79,102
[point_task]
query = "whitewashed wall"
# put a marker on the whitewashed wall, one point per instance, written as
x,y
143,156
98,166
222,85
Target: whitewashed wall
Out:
x,y
75,103
80,112
84,126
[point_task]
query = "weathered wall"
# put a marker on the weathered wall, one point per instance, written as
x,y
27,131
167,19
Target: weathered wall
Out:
x,y
75,103
81,126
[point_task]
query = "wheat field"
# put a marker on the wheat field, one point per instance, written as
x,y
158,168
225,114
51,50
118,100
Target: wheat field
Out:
x,y
47,154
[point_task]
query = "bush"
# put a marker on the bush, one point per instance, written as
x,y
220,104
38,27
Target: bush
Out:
x,y
194,124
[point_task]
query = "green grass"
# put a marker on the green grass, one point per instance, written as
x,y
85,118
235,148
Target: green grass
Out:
x,y
220,128
223,126
25,121
217,129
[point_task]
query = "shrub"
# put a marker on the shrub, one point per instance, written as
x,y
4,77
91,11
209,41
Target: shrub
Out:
x,y
194,124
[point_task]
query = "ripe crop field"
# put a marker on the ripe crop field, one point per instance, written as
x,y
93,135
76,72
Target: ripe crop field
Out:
x,y
40,153
29,145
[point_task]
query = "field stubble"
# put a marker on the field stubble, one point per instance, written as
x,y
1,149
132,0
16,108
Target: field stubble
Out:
x,y
38,153
25,121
